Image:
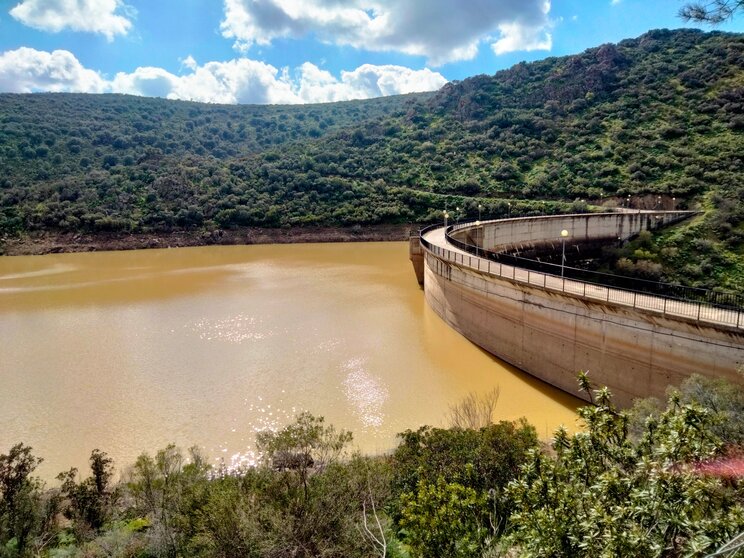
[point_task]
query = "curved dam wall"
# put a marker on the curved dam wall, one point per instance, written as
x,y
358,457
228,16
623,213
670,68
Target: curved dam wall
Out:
x,y
509,234
552,335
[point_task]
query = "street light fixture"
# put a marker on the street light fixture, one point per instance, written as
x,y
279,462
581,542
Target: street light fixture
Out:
x,y
478,236
509,209
564,235
480,207
446,216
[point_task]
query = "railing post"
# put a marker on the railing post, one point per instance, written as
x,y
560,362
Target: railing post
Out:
x,y
584,284
635,295
663,311
528,277
700,305
738,317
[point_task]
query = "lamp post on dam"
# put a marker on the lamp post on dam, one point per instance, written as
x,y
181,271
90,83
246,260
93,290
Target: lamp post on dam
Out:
x,y
564,235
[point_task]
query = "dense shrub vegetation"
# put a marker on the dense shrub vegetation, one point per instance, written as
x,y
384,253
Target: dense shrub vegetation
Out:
x,y
659,480
653,118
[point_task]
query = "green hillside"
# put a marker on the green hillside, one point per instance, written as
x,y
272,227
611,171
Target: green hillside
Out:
x,y
654,118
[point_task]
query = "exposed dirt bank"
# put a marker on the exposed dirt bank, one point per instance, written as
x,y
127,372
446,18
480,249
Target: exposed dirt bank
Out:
x,y
51,243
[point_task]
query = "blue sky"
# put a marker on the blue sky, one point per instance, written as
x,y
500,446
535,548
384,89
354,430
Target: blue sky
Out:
x,y
298,50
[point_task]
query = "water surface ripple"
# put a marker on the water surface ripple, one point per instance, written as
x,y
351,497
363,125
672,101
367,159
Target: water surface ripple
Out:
x,y
128,351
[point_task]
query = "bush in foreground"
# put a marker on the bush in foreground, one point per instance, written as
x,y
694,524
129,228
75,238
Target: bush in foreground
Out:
x,y
657,490
603,493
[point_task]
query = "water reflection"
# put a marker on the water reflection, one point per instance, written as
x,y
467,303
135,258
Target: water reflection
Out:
x,y
365,392
234,329
130,351
263,417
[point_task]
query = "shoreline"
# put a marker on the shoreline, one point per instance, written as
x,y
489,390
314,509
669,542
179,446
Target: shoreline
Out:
x,y
40,243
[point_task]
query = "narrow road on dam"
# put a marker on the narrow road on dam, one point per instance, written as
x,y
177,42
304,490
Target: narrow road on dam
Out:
x,y
438,244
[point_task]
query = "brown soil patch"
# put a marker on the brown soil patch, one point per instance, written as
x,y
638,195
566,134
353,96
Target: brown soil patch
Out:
x,y
50,242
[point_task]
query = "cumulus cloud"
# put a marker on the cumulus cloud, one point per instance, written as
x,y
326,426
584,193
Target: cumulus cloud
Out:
x,y
234,81
144,81
107,17
516,37
442,30
525,35
27,70
189,62
318,86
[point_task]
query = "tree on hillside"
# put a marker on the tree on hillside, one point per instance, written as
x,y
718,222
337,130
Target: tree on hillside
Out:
x,y
713,12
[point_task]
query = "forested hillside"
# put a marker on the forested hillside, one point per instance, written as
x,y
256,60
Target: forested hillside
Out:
x,y
654,118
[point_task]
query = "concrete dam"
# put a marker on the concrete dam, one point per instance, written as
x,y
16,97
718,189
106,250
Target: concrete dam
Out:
x,y
488,282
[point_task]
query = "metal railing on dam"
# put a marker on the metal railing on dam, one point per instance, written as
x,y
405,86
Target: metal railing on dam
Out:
x,y
674,301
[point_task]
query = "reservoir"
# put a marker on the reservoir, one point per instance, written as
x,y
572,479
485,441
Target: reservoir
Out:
x,y
129,351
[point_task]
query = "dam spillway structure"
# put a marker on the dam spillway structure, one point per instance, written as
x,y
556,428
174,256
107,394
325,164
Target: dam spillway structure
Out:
x,y
495,283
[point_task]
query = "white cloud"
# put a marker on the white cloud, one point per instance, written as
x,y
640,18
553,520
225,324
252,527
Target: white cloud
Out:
x,y
189,62
145,81
234,81
367,81
441,30
520,36
26,70
107,17
516,37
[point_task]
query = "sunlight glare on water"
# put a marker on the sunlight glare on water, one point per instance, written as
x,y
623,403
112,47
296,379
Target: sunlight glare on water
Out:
x,y
366,393
130,351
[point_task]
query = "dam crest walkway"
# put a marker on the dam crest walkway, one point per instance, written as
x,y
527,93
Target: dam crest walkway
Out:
x,y
438,241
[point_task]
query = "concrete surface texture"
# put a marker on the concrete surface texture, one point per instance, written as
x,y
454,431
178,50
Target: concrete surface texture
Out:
x,y
551,327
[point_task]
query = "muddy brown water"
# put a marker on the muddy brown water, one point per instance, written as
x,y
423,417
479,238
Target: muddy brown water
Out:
x,y
129,351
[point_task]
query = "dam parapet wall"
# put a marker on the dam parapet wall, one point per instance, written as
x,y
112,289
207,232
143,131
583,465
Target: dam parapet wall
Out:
x,y
513,234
